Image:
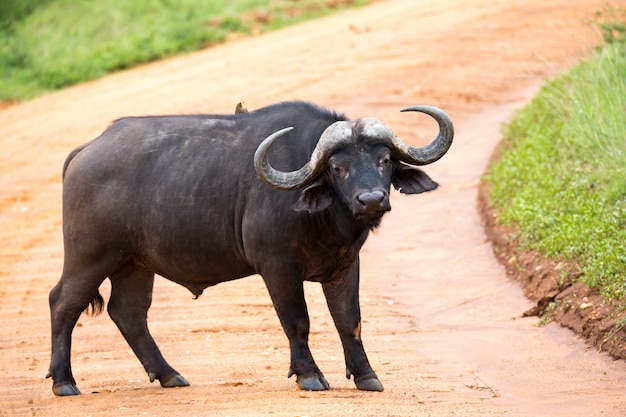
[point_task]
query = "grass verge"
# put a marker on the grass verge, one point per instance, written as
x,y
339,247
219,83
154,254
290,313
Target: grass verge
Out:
x,y
561,177
46,45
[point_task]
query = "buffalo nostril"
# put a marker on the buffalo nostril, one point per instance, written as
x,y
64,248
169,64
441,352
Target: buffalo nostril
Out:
x,y
373,200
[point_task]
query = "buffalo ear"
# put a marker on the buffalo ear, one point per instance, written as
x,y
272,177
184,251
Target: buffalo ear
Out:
x,y
409,180
314,198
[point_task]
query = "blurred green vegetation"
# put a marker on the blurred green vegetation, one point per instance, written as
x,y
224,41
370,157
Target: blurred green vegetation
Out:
x,y
46,45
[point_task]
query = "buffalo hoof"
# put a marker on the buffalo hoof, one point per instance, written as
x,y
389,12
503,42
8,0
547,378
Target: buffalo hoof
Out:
x,y
64,390
175,381
369,384
171,381
313,383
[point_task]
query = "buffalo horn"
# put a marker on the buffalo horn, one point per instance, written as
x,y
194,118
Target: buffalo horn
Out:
x,y
415,156
341,133
334,135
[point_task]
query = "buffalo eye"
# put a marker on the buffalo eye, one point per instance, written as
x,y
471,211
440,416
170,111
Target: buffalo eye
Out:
x,y
384,164
338,170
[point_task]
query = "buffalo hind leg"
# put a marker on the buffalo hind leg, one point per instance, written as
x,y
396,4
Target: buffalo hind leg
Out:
x,y
342,297
131,297
288,299
68,299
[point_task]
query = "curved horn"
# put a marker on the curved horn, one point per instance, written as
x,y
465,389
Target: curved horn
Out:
x,y
417,156
337,133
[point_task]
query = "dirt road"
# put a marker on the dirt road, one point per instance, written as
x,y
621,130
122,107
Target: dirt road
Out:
x,y
442,322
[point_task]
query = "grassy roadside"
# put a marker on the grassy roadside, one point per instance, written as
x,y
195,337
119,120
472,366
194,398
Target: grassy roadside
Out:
x,y
561,179
46,45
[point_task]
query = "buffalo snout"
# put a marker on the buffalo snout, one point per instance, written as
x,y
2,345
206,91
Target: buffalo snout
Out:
x,y
373,201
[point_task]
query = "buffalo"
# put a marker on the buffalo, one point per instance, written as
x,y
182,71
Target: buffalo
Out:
x,y
204,199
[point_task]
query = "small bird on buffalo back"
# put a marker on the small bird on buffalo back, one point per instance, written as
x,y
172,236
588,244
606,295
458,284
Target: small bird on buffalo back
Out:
x,y
240,108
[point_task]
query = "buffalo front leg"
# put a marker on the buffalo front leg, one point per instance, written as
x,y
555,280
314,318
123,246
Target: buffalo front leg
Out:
x,y
288,299
342,296
131,297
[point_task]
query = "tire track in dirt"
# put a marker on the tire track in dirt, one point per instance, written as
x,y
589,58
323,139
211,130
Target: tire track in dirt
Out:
x,y
433,297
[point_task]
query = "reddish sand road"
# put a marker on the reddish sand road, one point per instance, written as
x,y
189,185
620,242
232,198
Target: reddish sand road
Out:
x,y
441,320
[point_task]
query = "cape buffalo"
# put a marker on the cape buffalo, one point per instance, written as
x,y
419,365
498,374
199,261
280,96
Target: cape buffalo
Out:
x,y
204,199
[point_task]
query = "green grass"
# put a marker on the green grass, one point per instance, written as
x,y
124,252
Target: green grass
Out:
x,y
46,45
562,175
611,22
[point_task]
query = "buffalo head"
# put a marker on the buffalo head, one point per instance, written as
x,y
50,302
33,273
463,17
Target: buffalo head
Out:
x,y
356,163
